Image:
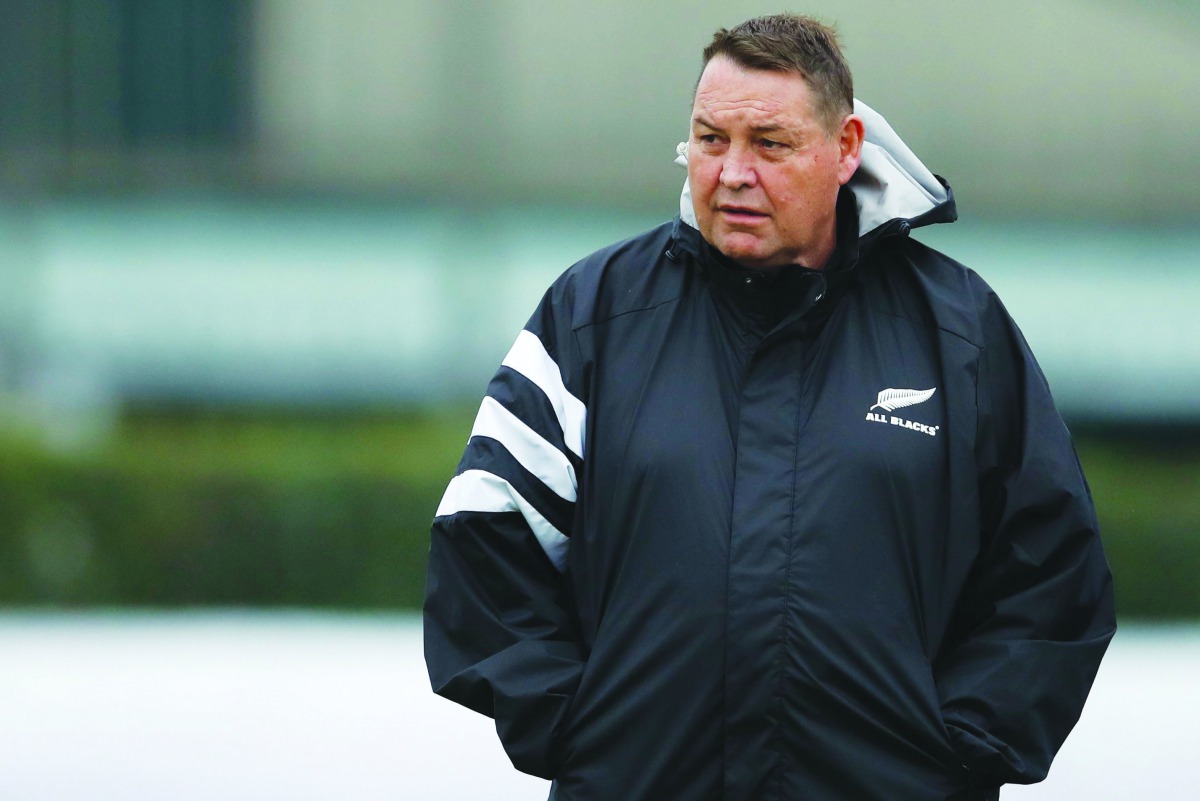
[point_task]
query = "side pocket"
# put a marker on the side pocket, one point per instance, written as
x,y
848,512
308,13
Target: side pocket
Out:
x,y
530,702
556,750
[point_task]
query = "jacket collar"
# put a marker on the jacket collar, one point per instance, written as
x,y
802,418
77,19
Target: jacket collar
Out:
x,y
776,296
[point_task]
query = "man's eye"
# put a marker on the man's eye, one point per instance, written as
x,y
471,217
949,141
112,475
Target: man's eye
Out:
x,y
707,139
771,144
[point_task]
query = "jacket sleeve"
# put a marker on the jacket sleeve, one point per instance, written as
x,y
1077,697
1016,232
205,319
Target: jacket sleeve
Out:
x,y
1037,612
499,635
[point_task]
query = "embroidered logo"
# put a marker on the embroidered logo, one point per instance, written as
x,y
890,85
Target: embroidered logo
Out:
x,y
892,399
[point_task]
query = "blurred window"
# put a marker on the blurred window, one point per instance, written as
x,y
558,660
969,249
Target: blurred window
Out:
x,y
116,76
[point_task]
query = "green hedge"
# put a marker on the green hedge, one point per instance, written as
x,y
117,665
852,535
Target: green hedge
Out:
x,y
1147,495
334,511
196,509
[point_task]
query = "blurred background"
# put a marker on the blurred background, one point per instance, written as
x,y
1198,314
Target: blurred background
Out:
x,y
259,259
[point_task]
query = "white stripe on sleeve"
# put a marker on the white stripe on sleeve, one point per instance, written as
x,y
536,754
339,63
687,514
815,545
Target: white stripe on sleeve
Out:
x,y
528,447
528,357
480,491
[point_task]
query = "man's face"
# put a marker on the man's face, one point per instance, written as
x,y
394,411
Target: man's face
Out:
x,y
763,170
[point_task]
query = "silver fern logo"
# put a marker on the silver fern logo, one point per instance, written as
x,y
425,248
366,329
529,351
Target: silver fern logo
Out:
x,y
892,399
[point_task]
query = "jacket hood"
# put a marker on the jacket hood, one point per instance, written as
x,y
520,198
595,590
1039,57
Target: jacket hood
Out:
x,y
891,184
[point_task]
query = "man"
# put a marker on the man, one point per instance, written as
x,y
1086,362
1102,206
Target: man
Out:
x,y
772,501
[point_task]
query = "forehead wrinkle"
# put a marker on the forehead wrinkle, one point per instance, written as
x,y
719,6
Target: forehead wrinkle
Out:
x,y
718,105
762,120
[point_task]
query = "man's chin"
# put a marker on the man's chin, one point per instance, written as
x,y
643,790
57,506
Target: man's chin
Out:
x,y
748,254
739,243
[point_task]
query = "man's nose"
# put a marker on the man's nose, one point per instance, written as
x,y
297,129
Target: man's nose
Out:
x,y
738,169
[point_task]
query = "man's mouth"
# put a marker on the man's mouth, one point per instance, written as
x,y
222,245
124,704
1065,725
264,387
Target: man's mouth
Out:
x,y
741,214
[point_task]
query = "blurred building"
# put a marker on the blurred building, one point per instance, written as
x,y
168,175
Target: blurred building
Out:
x,y
296,201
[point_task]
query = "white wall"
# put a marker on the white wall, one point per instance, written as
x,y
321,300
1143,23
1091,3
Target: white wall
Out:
x,y
310,303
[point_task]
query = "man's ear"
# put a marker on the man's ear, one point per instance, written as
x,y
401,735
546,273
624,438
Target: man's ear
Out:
x,y
850,141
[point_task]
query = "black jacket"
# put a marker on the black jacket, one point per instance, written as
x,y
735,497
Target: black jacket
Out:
x,y
717,536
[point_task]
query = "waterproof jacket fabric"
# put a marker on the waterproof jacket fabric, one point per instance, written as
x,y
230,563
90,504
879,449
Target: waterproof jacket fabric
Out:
x,y
722,536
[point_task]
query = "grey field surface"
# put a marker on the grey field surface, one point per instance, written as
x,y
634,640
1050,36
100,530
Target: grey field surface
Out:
x,y
108,706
